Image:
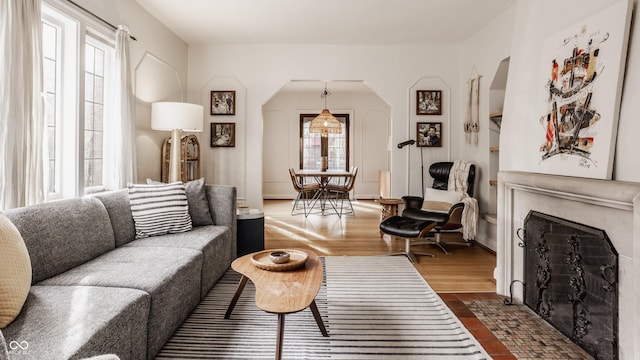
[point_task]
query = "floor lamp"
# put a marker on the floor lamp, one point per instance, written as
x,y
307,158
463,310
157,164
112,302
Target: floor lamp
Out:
x,y
176,117
400,146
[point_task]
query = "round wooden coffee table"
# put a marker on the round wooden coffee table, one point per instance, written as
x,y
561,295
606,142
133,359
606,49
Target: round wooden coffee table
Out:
x,y
276,293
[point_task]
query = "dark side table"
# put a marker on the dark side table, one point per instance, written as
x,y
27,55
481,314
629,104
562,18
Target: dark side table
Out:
x,y
250,231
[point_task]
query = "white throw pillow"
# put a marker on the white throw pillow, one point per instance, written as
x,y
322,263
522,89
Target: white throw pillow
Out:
x,y
451,197
159,209
440,200
15,272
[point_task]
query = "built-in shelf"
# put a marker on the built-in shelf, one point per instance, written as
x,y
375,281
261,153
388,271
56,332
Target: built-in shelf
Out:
x,y
490,218
494,148
493,182
496,118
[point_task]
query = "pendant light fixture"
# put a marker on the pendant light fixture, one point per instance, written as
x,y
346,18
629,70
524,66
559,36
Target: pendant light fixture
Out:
x,y
325,123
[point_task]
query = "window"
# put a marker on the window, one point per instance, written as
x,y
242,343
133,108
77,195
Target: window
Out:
x,y
76,62
51,72
94,89
311,145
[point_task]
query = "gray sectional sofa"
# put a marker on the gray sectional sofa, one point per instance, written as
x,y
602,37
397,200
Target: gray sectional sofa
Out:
x,y
98,290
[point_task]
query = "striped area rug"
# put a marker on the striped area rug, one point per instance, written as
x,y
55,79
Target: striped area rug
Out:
x,y
374,307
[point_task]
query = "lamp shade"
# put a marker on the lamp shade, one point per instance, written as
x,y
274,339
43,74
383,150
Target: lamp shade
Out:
x,y
176,115
325,123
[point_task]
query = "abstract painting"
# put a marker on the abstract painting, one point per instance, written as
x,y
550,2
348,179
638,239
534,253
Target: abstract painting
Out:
x,y
582,74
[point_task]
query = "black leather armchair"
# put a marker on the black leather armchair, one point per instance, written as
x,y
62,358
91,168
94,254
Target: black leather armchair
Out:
x,y
440,173
415,223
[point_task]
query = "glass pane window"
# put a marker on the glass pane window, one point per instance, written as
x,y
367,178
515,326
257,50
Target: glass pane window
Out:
x,y
77,60
93,112
311,145
50,72
337,152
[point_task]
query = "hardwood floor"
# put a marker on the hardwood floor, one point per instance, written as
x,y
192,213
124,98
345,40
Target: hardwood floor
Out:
x,y
465,269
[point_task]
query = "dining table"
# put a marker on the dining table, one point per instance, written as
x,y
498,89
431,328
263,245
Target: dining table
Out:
x,y
323,179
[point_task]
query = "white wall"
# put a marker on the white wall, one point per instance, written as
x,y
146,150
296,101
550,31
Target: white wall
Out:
x,y
390,71
535,23
159,66
160,62
369,129
421,157
484,51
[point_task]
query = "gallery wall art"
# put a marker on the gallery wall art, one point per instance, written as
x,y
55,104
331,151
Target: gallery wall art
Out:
x,y
581,81
429,134
429,102
223,102
223,134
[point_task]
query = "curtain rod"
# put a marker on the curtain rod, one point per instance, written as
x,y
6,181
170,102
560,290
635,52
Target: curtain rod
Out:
x,y
99,18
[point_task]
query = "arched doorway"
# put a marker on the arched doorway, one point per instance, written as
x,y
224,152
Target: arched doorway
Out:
x,y
369,130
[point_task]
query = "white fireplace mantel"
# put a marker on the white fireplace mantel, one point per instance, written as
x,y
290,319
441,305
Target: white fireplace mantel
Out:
x,y
613,206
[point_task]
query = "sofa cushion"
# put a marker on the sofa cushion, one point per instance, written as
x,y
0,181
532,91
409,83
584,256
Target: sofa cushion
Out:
x,y
170,275
198,204
214,242
197,199
119,209
76,322
222,203
4,353
15,268
159,209
63,234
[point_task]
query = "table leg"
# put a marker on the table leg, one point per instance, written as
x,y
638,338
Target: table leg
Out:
x,y
236,296
316,315
280,336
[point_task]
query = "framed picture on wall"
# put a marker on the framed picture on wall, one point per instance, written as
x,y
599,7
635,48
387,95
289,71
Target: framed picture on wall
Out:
x,y
429,134
223,134
223,102
429,102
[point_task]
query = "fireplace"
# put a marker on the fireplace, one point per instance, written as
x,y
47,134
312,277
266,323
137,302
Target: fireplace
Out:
x,y
613,206
570,280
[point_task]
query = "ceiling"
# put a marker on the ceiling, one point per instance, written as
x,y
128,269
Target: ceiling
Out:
x,y
336,22
333,86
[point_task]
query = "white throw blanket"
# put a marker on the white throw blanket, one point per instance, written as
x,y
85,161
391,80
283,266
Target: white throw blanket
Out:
x,y
458,181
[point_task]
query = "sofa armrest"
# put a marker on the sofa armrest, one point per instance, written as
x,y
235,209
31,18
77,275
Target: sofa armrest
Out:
x,y
222,204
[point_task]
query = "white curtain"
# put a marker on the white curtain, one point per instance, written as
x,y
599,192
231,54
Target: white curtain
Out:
x,y
21,107
120,155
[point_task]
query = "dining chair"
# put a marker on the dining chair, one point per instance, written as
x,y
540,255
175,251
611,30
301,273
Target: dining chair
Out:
x,y
305,192
341,192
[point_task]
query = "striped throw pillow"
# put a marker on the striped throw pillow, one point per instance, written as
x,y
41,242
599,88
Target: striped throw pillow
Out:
x,y
159,209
